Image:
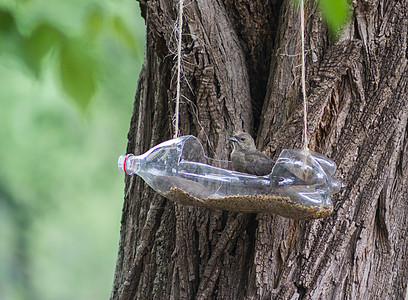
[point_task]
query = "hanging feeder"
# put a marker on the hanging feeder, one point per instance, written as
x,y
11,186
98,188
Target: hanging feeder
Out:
x,y
298,187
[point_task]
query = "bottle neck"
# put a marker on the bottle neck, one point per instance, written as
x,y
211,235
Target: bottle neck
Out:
x,y
129,164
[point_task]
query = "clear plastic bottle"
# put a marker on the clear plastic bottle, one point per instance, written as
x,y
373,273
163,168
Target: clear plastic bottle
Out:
x,y
299,185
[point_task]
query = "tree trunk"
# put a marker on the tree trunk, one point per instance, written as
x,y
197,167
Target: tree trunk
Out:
x,y
241,72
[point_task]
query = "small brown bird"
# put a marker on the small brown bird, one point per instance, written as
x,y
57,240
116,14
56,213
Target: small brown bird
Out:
x,y
246,158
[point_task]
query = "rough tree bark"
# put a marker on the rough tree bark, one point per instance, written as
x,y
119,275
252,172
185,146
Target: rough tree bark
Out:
x,y
241,64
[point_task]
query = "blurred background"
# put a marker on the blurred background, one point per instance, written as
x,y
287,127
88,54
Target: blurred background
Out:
x,y
68,74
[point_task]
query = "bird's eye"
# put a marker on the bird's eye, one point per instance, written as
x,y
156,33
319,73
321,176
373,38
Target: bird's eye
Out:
x,y
242,139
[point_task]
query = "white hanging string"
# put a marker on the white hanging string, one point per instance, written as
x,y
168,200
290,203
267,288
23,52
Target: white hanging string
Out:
x,y
303,79
179,31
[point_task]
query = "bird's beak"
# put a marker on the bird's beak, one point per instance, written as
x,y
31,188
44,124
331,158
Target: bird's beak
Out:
x,y
233,139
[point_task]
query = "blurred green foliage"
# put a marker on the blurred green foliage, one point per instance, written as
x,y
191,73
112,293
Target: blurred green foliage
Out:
x,y
74,46
60,192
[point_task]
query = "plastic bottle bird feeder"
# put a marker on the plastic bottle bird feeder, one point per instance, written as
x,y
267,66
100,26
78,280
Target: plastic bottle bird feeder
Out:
x,y
299,186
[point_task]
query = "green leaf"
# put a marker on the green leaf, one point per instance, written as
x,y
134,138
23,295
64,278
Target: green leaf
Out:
x,y
77,71
93,22
39,43
123,33
7,22
335,13
10,37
